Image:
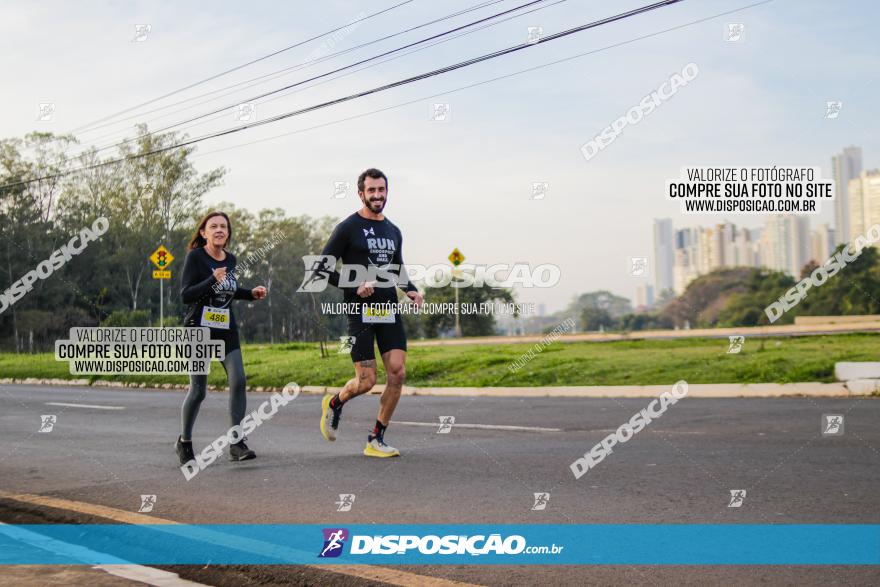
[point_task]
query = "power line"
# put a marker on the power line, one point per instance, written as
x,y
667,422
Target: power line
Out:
x,y
391,58
282,72
287,87
243,65
484,82
364,93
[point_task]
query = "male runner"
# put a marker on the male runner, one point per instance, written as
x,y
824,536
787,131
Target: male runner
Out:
x,y
369,240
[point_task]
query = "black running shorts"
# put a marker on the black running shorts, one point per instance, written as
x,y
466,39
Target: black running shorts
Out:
x,y
387,336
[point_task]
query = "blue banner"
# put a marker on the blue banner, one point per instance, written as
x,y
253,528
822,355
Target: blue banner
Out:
x,y
476,544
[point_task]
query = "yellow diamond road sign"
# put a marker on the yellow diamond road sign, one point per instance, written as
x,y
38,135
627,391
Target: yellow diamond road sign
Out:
x,y
162,257
456,258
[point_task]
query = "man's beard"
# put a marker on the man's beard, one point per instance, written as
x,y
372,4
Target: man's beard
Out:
x,y
375,207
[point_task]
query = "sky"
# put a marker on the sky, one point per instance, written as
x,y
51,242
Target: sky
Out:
x,y
466,182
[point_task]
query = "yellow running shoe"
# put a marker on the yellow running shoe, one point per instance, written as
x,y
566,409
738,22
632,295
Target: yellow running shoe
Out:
x,y
329,418
376,447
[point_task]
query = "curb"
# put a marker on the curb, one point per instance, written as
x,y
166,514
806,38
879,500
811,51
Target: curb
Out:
x,y
702,390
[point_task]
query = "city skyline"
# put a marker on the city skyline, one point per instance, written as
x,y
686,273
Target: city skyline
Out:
x,y
785,242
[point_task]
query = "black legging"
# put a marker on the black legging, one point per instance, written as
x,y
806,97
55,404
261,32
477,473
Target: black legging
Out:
x,y
234,368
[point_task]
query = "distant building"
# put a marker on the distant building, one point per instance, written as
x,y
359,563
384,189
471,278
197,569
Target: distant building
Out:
x,y
726,236
716,248
685,269
822,243
745,250
664,254
844,167
864,202
785,244
684,264
644,296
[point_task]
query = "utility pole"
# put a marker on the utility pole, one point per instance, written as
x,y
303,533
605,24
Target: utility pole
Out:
x,y
456,258
162,258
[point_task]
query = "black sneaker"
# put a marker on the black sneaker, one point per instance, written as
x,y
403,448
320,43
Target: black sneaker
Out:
x,y
240,452
184,450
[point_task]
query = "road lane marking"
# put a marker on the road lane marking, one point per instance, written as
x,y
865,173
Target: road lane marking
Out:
x,y
658,430
94,407
148,575
369,572
119,568
483,426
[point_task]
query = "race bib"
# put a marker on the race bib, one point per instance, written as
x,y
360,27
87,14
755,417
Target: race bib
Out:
x,y
381,315
215,317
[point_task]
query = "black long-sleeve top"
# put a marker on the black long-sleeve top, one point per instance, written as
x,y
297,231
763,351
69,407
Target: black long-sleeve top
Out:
x,y
198,287
366,242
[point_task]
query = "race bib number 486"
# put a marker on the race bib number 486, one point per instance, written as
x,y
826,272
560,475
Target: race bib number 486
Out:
x,y
215,317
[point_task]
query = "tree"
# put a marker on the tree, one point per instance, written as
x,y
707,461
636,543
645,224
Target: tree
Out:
x,y
855,289
271,252
745,305
593,318
664,298
472,324
615,306
645,321
150,200
704,301
26,209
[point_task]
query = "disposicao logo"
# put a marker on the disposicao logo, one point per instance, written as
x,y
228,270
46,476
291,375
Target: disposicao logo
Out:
x,y
334,541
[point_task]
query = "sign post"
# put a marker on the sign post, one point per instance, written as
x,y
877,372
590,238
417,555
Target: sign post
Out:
x,y
456,258
162,258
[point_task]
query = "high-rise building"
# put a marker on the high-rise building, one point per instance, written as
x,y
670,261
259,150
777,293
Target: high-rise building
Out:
x,y
685,269
800,248
685,262
821,243
686,238
745,250
663,254
864,202
726,237
785,243
715,247
844,167
644,296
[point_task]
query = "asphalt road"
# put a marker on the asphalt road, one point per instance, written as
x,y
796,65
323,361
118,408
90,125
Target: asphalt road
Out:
x,y
680,469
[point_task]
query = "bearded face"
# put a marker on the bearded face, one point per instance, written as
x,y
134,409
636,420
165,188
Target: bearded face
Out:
x,y
375,194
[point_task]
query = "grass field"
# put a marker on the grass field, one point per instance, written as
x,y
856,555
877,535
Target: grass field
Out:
x,y
644,362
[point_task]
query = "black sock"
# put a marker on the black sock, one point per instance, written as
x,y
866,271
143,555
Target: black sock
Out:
x,y
336,401
379,429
